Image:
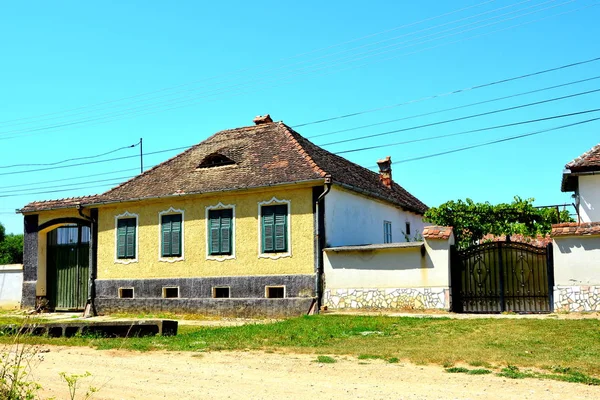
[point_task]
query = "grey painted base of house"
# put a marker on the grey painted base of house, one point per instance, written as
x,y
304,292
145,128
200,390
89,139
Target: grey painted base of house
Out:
x,y
398,298
247,295
28,297
222,307
577,298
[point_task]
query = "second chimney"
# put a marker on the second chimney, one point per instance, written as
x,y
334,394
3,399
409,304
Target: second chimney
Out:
x,y
385,171
262,119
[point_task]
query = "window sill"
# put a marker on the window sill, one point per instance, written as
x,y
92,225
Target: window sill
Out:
x,y
171,259
220,258
275,256
125,261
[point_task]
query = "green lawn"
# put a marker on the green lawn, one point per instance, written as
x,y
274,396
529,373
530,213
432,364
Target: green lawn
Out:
x,y
493,343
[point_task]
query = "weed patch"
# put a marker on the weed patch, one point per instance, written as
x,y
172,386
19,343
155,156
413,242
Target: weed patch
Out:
x,y
325,360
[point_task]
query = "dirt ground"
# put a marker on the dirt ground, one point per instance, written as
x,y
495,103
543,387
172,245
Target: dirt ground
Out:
x,y
255,375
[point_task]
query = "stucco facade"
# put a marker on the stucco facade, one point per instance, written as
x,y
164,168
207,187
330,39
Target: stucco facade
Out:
x,y
354,219
588,194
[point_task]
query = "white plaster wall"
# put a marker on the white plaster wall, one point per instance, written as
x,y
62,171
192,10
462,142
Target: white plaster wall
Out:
x,y
353,219
576,260
389,268
589,198
11,285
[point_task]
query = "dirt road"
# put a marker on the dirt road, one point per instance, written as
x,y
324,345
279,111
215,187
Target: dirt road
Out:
x,y
254,375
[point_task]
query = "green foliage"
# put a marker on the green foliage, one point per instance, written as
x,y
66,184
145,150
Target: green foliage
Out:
x,y
11,247
325,360
457,370
73,384
472,221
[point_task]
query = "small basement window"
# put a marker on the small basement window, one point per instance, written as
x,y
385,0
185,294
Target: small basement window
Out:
x,y
170,292
215,160
275,292
220,292
126,293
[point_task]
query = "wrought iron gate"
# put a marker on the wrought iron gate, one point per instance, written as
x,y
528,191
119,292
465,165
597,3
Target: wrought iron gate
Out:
x,y
502,276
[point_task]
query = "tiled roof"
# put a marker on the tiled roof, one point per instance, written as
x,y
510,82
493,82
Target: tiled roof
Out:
x,y
538,241
576,229
437,232
68,202
267,154
588,161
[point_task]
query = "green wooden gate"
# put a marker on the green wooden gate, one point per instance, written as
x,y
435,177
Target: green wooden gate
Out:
x,y
67,267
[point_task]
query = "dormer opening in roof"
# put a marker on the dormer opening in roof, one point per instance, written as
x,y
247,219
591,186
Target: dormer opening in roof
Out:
x,y
262,119
215,160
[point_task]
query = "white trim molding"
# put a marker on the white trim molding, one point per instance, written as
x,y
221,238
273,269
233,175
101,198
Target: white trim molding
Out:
x,y
171,211
220,206
126,215
274,256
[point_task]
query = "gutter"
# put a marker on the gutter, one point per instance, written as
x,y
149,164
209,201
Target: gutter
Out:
x,y
90,307
320,244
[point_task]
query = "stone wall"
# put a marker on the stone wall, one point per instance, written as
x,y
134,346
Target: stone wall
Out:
x,y
577,298
398,298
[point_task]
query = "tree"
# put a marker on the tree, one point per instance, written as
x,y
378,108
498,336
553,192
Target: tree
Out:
x,y
11,247
472,221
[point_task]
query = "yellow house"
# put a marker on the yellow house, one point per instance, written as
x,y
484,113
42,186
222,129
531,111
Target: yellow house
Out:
x,y
233,225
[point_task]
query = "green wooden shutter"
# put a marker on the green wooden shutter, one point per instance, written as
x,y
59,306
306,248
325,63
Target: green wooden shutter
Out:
x,y
268,222
280,233
166,235
121,238
214,226
176,235
226,216
130,240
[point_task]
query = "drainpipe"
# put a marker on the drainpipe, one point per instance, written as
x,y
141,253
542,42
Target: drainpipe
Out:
x,y
320,244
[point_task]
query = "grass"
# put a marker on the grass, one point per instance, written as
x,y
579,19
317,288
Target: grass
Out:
x,y
526,343
325,360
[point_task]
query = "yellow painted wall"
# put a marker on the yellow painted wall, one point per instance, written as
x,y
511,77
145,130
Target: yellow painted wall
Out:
x,y
195,263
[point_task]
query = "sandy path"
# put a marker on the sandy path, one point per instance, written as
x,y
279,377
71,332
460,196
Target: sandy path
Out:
x,y
253,375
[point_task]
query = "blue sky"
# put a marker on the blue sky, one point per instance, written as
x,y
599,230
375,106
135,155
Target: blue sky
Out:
x,y
80,79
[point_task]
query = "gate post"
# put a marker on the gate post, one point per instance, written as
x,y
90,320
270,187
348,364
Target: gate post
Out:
x,y
455,281
501,277
550,272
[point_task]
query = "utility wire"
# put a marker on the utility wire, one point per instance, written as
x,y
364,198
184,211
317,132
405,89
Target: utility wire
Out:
x,y
454,108
470,131
67,185
70,159
62,190
498,141
449,93
93,162
136,110
250,68
463,118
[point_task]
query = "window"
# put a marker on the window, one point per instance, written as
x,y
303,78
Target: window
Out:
x,y
170,292
387,232
126,293
126,241
171,235
274,228
219,235
407,230
275,292
215,160
220,292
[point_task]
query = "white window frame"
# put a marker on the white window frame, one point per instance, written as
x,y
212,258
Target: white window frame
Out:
x,y
220,206
119,292
273,202
386,233
164,292
213,291
127,215
171,211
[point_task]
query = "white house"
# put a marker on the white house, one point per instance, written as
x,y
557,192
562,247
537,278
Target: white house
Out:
x,y
577,245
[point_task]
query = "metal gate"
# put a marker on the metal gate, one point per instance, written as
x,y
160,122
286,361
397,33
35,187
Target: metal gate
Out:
x,y
67,267
502,276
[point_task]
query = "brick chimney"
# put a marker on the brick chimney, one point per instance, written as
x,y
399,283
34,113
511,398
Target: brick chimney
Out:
x,y
262,119
385,171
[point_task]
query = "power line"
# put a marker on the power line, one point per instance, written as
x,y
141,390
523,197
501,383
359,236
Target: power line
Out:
x,y
67,185
498,141
470,131
70,159
448,93
262,64
144,108
92,162
463,118
62,190
454,108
